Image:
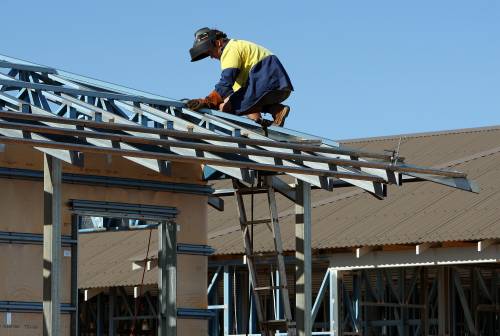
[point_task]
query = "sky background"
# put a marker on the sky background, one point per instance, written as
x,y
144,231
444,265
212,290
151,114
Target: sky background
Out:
x,y
360,68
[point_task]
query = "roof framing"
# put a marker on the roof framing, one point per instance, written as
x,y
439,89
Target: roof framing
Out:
x,y
65,115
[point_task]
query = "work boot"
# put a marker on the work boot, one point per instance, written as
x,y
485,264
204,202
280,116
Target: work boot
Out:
x,y
264,123
279,113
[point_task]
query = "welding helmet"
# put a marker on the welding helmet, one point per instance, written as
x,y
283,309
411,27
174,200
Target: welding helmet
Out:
x,y
204,40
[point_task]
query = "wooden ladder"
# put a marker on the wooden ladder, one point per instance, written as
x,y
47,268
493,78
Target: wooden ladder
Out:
x,y
268,327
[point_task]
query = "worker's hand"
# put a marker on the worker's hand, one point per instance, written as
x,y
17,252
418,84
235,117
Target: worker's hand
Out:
x,y
225,106
196,104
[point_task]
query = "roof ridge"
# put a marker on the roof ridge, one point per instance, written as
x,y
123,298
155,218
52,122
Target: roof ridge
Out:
x,y
423,134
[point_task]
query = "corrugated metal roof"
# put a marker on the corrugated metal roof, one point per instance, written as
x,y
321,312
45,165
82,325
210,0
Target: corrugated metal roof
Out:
x,y
105,258
419,212
416,213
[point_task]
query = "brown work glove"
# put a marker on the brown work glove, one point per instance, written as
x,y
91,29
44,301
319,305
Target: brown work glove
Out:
x,y
213,100
196,104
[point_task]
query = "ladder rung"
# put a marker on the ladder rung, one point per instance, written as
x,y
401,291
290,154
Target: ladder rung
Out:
x,y
249,191
268,288
258,221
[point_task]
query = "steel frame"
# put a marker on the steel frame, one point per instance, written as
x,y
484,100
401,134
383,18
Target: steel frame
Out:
x,y
235,321
44,91
121,306
65,115
454,299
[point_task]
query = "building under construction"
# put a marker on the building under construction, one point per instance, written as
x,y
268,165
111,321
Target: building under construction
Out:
x,y
432,237
304,235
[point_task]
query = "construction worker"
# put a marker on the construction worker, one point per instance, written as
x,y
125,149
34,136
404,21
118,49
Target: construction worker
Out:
x,y
253,80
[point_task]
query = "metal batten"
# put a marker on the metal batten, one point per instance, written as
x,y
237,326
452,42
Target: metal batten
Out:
x,y
221,149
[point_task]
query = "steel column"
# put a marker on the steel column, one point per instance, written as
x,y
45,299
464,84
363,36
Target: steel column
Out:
x,y
333,302
356,300
303,288
111,312
464,302
424,299
277,302
99,310
227,300
52,219
167,279
75,321
252,318
443,301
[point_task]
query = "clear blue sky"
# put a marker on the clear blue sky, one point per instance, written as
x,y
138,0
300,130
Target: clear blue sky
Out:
x,y
360,68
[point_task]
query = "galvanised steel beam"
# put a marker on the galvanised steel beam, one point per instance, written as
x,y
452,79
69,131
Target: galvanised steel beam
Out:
x,y
195,313
24,306
31,238
195,249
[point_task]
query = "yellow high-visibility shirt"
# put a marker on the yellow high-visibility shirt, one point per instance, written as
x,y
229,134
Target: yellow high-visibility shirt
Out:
x,y
242,55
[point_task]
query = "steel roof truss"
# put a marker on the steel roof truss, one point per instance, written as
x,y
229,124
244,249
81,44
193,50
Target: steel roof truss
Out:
x,y
183,125
76,96
75,158
371,187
